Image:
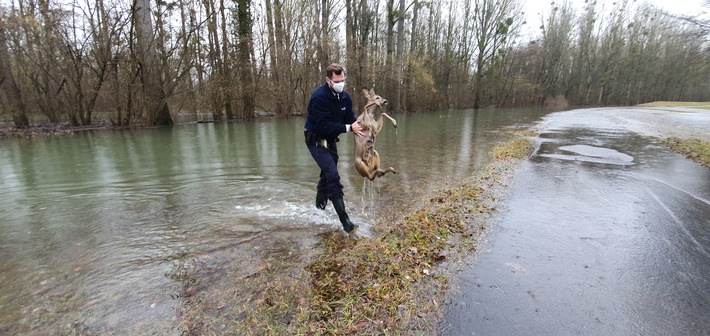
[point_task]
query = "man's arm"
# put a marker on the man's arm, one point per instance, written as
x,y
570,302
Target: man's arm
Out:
x,y
353,123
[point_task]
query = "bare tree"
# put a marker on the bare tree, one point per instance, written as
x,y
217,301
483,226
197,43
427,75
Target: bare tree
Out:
x,y
410,56
491,25
244,29
8,85
393,16
700,20
158,112
284,38
400,57
217,81
280,57
556,45
359,25
36,59
325,9
270,29
86,62
234,57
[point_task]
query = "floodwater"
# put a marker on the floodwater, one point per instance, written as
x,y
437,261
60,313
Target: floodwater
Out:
x,y
100,230
605,232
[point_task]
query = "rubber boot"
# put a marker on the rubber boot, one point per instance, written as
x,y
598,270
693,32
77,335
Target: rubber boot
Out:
x,y
339,206
321,200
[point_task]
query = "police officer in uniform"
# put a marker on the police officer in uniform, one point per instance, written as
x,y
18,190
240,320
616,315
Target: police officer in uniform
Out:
x,y
330,113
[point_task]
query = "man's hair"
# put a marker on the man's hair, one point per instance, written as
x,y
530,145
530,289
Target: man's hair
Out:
x,y
334,68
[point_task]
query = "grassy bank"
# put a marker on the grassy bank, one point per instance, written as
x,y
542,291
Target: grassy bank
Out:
x,y
391,283
702,105
696,150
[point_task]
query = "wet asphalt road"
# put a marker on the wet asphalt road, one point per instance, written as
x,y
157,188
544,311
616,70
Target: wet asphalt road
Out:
x,y
604,232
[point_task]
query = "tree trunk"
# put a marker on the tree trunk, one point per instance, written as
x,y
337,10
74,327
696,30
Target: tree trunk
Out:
x,y
214,84
390,83
360,23
275,52
190,100
158,113
271,41
244,31
353,17
323,48
490,26
412,56
283,53
8,85
225,73
478,84
400,58
415,21
350,42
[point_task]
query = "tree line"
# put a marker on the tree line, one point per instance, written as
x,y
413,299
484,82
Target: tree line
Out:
x,y
144,62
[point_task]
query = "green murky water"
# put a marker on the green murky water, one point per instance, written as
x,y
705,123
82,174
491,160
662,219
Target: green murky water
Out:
x,y
100,229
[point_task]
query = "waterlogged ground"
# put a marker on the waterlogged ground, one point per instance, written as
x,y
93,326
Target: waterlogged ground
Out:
x,y
206,228
158,231
390,282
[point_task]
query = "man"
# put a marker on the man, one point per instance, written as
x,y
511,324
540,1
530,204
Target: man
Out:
x,y
330,113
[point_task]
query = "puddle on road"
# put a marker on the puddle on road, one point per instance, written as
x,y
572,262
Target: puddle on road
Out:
x,y
592,154
614,243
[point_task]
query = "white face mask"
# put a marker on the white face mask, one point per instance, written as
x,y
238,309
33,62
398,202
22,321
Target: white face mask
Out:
x,y
338,87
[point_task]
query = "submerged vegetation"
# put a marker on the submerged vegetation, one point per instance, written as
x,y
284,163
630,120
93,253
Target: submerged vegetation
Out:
x,y
390,283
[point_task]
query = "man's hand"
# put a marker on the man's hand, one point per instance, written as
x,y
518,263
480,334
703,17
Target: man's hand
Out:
x,y
357,128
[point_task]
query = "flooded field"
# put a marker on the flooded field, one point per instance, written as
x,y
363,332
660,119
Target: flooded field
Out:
x,y
105,231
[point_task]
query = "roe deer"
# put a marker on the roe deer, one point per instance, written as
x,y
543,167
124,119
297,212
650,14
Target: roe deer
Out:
x,y
367,160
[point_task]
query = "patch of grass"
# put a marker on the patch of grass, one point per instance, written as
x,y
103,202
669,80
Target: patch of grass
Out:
x,y
362,286
703,105
369,286
525,133
515,149
269,299
696,150
388,284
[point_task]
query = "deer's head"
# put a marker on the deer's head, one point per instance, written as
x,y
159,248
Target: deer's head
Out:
x,y
373,98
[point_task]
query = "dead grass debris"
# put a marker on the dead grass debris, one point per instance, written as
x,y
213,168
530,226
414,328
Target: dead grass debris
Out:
x,y
694,149
388,284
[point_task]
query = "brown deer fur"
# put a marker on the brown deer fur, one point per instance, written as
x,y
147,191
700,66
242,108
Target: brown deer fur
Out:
x,y
367,160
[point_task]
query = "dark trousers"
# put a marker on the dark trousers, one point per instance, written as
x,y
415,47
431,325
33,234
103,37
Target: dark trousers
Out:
x,y
327,160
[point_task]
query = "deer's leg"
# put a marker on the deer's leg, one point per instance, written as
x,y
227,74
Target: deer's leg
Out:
x,y
378,124
373,166
362,168
381,121
394,122
376,171
381,172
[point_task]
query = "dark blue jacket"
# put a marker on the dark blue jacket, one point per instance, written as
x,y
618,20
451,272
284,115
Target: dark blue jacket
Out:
x,y
328,112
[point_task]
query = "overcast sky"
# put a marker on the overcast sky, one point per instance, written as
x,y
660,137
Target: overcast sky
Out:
x,y
533,8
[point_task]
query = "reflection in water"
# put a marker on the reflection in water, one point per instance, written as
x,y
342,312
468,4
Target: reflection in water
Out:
x,y
99,230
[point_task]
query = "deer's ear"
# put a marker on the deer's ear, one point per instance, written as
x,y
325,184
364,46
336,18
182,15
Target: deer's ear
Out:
x,y
366,94
372,93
